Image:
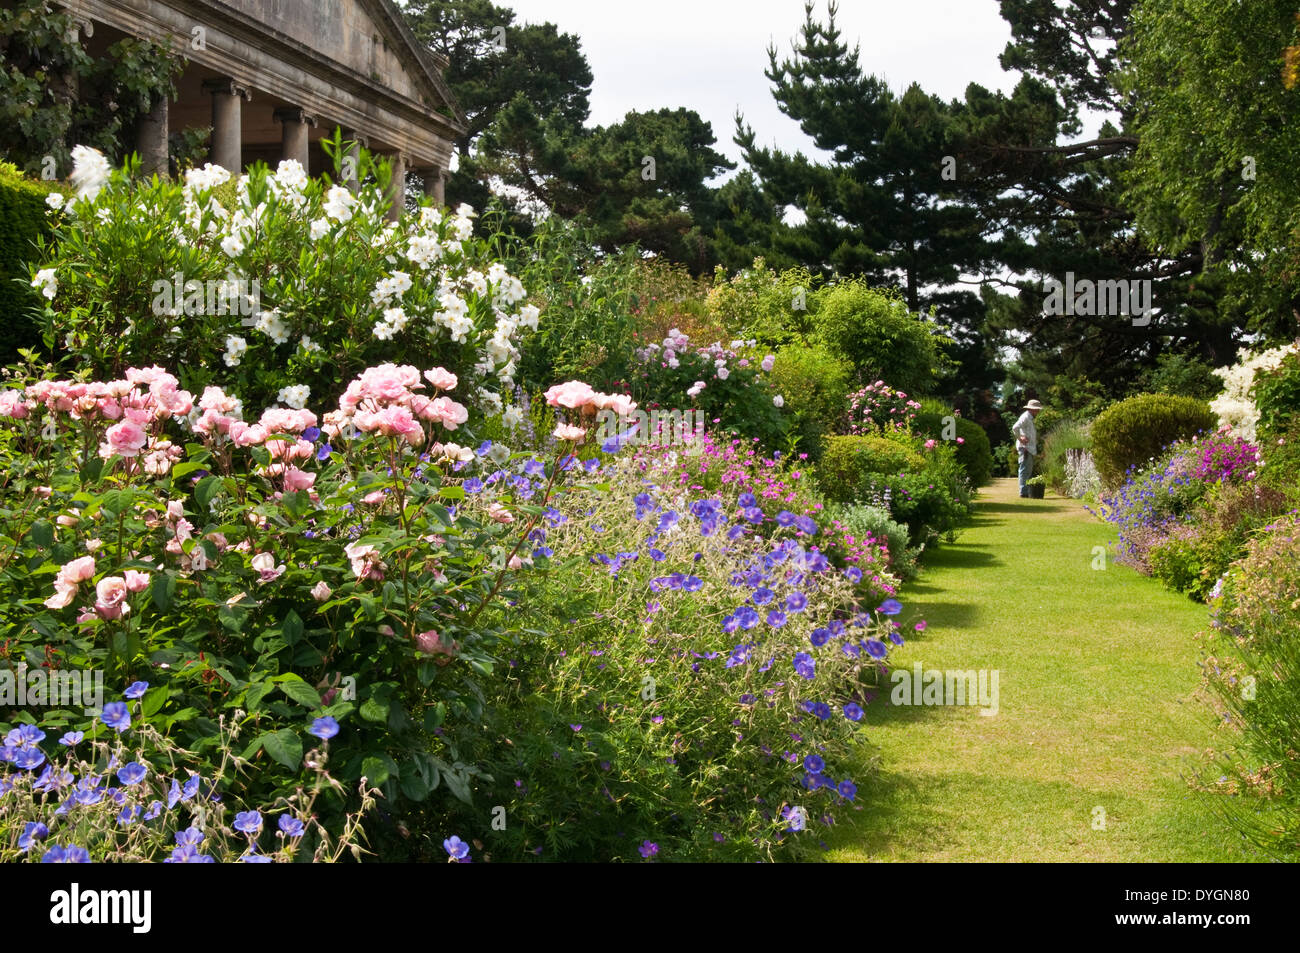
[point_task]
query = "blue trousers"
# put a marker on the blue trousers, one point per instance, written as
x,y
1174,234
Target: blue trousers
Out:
x,y
1026,470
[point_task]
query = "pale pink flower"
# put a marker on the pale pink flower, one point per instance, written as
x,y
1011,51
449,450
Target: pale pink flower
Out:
x,y
79,570
110,597
499,514
441,378
374,498
137,581
265,565
295,479
570,432
571,394
621,404
64,593
13,405
515,562
321,591
44,492
449,413
124,440
768,363
67,520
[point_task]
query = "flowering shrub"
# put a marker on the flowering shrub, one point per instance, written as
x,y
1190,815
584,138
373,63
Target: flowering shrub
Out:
x,y
1134,431
879,407
730,389
262,571
59,802
1252,672
703,693
274,285
1235,407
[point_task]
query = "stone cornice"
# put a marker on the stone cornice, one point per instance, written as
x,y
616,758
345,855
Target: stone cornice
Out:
x,y
253,53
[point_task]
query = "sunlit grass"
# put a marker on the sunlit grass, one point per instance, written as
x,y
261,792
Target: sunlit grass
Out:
x,y
1097,707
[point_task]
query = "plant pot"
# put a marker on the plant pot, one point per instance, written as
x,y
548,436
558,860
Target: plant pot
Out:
x,y
1035,491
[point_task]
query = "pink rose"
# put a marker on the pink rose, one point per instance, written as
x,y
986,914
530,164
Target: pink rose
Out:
x,y
570,432
124,439
13,405
137,581
64,593
449,413
110,594
441,378
621,404
79,570
321,591
500,514
571,394
295,479
398,422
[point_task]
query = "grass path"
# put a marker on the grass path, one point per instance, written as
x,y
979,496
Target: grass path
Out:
x,y
1096,707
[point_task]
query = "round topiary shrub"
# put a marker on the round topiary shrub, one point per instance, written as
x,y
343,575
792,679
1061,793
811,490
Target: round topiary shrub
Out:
x,y
848,462
974,453
1133,431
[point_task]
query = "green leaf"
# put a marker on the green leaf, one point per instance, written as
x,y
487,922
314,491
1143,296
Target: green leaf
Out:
x,y
379,769
256,692
292,627
300,692
163,591
153,701
42,533
414,786
206,490
184,469
284,746
297,503
374,710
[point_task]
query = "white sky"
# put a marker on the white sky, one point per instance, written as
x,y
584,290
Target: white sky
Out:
x,y
709,55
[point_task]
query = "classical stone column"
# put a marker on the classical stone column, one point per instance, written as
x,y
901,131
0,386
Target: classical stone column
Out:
x,y
432,178
151,141
227,123
397,188
294,139
352,171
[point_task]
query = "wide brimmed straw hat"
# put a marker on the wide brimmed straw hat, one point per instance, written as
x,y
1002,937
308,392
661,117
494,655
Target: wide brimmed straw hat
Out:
x,y
1033,405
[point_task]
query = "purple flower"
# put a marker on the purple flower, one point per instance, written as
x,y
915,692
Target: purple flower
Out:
x,y
762,596
324,728
132,774
890,607
32,832
819,637
290,826
72,738
847,789
324,452
136,689
456,848
853,712
692,584
71,854
804,665
853,574
249,822
796,602
311,434
576,727
116,716
876,648
814,764
648,849
776,618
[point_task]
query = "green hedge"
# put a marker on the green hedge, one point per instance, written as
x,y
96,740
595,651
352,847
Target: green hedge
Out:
x,y
1137,429
974,453
848,462
22,221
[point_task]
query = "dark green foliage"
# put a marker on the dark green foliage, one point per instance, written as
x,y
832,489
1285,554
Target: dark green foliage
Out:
x,y
1139,428
23,222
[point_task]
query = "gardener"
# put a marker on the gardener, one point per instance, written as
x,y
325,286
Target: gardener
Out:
x,y
1027,440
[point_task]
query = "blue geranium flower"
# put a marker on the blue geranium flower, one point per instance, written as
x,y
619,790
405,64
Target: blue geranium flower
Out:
x,y
819,637
290,826
876,648
804,665
116,716
132,774
324,728
249,822
136,689
456,848
814,764
890,607
853,712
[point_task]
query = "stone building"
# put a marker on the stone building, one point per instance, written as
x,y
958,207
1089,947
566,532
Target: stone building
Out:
x,y
272,77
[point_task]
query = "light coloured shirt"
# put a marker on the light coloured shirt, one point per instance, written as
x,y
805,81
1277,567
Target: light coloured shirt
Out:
x,y
1025,427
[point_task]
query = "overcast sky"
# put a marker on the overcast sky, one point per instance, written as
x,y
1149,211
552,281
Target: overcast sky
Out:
x,y
709,55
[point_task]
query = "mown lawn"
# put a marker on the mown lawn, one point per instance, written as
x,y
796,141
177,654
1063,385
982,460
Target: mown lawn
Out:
x,y
1097,707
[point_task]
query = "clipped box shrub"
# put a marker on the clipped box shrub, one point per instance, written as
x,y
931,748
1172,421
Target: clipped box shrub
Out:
x,y
849,462
874,330
1135,430
974,454
22,224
